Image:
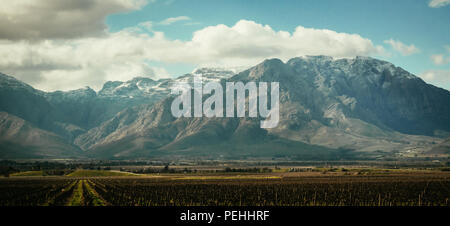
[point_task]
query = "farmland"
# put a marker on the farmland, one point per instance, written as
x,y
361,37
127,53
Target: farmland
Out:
x,y
361,188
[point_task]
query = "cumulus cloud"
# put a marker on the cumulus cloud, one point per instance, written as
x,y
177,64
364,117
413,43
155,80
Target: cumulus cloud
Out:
x,y
248,42
438,3
439,59
49,19
71,63
402,48
440,78
172,20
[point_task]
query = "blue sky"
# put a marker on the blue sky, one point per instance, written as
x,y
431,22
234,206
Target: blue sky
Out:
x,y
86,43
410,21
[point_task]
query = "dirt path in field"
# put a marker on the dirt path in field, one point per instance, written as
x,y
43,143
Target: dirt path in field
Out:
x,y
84,195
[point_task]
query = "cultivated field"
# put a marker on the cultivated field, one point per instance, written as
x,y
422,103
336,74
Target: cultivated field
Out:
x,y
402,188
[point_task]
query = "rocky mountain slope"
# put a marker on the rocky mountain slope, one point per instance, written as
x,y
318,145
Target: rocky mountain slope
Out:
x,y
442,148
362,104
152,131
69,114
20,139
329,109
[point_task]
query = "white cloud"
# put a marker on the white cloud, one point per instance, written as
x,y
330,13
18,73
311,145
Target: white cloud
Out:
x,y
440,59
49,19
172,20
402,48
249,43
438,3
440,78
68,64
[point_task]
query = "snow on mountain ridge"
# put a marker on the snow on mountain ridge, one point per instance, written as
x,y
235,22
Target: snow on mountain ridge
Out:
x,y
143,86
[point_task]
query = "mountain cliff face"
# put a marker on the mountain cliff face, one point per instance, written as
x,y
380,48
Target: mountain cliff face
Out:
x,y
71,113
348,103
327,107
377,92
152,131
371,90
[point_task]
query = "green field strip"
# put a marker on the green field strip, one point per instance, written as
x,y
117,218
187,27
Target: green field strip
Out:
x,y
65,191
28,174
99,173
97,185
96,199
77,195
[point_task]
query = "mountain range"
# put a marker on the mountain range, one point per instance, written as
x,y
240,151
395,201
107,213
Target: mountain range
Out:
x,y
329,109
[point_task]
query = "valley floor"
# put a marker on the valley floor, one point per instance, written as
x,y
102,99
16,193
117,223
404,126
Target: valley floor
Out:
x,y
364,187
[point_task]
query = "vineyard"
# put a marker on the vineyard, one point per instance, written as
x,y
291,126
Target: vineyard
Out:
x,y
397,190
